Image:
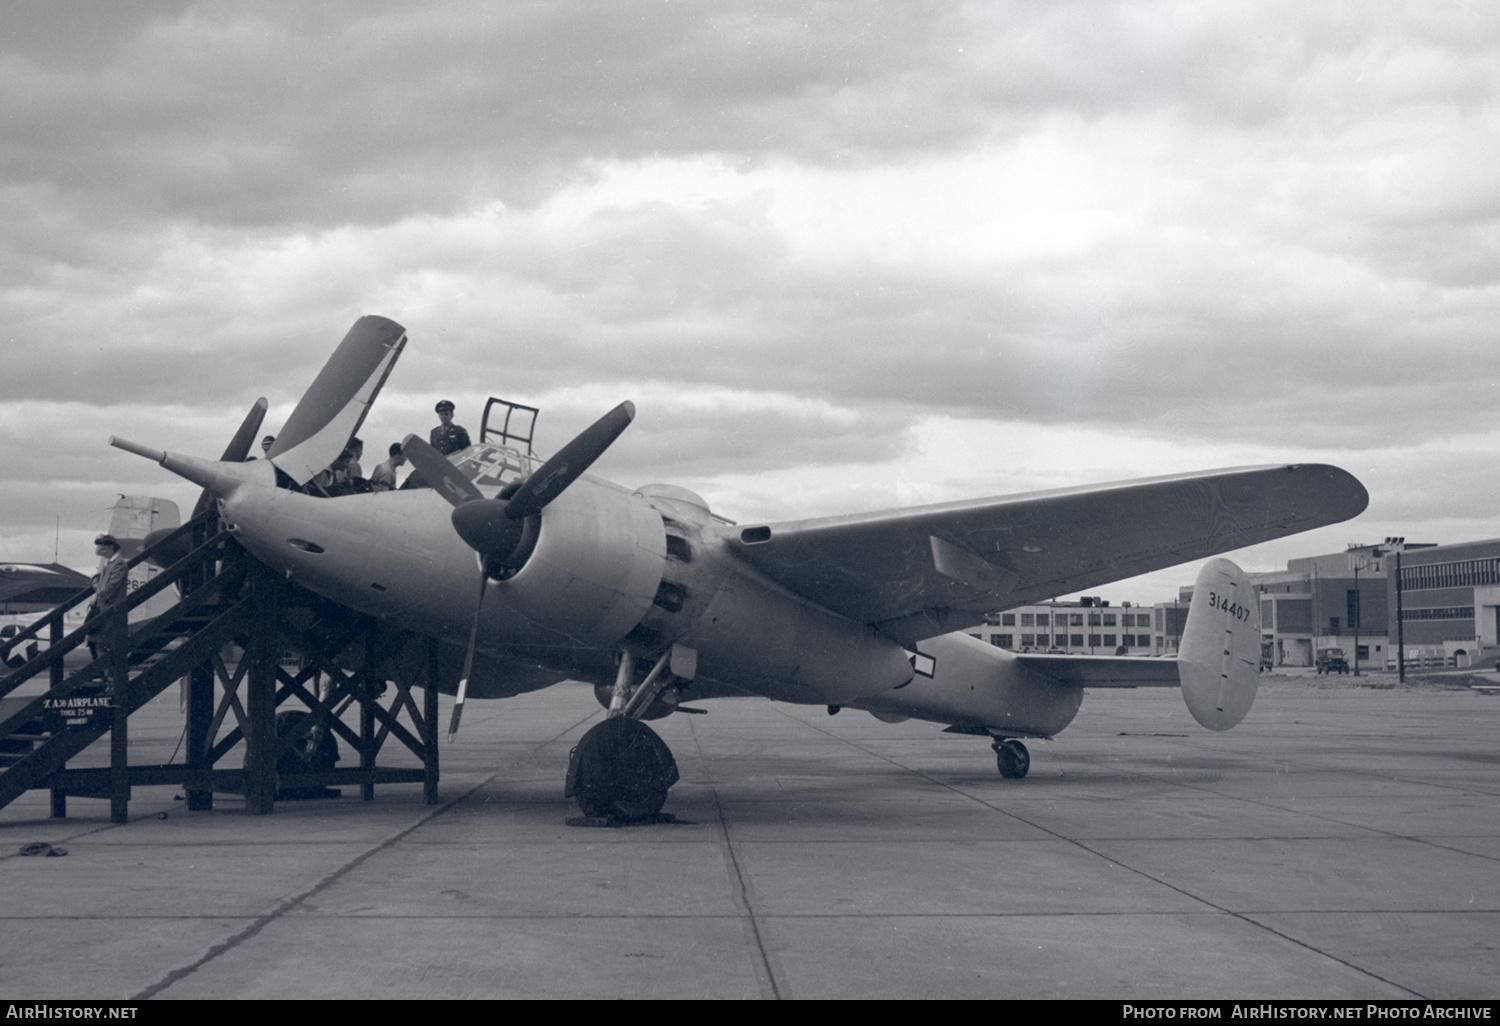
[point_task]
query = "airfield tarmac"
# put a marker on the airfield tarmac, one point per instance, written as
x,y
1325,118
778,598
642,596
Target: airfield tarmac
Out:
x,y
1343,842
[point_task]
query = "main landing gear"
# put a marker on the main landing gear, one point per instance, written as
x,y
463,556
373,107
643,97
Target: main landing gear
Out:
x,y
1012,757
621,769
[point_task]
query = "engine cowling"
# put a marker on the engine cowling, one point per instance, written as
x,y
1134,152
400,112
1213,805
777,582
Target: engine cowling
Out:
x,y
598,560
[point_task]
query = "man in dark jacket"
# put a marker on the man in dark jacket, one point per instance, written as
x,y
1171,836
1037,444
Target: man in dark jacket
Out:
x,y
447,437
109,591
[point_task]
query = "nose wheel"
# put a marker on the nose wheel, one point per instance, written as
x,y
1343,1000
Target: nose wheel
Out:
x,y
1012,758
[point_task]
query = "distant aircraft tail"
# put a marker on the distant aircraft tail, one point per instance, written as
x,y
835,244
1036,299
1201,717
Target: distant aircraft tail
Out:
x,y
133,520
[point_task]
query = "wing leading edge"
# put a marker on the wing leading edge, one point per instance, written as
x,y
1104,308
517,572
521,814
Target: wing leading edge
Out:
x,y
917,573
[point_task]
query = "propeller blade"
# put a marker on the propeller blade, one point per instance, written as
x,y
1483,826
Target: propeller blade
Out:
x,y
239,446
554,476
463,679
438,472
335,404
487,528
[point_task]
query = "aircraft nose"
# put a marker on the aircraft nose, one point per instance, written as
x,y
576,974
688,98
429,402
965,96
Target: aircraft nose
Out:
x,y
221,478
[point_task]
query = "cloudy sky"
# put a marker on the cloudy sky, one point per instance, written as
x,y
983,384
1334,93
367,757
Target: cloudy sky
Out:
x,y
843,256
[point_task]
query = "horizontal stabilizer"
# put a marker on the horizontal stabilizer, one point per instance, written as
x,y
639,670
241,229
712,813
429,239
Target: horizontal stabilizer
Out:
x,y
1219,657
1103,671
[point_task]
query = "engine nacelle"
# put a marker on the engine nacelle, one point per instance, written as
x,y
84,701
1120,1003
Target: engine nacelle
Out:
x,y
962,681
598,561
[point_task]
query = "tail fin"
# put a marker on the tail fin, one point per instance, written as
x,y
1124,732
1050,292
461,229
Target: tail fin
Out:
x,y
136,516
1219,657
133,519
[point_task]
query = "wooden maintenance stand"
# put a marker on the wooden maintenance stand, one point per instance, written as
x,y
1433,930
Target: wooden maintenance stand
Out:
x,y
248,643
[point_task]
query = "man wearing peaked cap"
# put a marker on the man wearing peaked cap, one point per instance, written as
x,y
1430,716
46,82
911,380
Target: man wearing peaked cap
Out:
x,y
109,588
447,437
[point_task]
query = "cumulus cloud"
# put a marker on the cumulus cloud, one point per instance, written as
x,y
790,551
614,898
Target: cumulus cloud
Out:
x,y
812,242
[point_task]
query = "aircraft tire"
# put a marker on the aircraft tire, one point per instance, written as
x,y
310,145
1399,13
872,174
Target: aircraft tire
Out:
x,y
622,770
298,760
1012,758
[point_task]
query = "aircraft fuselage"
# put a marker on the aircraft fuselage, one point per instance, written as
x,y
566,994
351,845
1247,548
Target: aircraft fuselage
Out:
x,y
611,570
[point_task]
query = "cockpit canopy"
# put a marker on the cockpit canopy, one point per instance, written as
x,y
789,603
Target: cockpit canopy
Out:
x,y
504,451
489,465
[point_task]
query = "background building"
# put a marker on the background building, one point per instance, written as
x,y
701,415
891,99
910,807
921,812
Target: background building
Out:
x,y
1450,603
1090,626
1323,602
1449,611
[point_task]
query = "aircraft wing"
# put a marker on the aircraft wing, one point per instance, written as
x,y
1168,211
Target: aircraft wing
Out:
x,y
917,573
39,585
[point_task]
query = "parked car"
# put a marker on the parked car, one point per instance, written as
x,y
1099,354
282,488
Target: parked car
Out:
x,y
1331,660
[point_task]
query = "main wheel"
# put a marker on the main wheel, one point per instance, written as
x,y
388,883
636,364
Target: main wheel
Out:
x,y
1013,759
621,770
310,754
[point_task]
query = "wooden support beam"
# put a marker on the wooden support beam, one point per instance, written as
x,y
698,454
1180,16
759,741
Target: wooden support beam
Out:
x,y
260,714
116,630
200,731
430,726
368,747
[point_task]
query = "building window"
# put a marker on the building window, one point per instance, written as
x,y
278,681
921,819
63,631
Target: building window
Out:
x,y
1463,574
1028,620
1094,620
1003,640
1109,620
1008,620
1094,641
1109,641
1028,640
1077,640
1077,620
1443,613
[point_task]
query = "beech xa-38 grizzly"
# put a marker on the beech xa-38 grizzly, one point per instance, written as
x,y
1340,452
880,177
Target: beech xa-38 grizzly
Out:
x,y
533,572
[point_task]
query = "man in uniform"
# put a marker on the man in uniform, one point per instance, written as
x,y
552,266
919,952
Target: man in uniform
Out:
x,y
447,437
